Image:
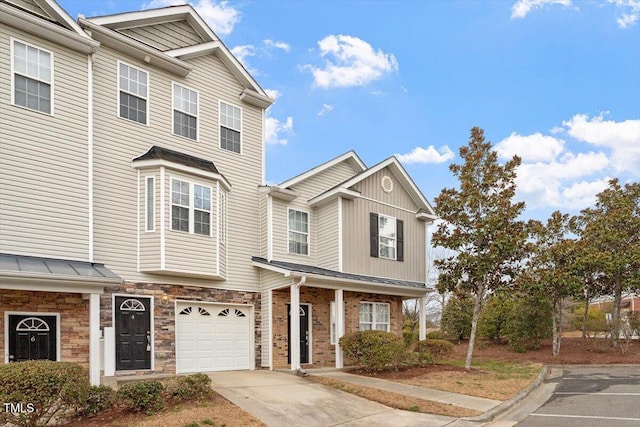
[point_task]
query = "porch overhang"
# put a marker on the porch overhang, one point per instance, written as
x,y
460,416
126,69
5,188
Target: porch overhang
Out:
x,y
29,273
336,280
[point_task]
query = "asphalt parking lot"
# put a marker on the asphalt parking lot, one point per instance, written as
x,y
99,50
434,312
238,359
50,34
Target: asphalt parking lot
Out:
x,y
591,397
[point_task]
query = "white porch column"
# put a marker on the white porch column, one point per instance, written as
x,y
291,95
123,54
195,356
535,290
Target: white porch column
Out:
x,y
294,332
109,351
339,299
423,318
94,339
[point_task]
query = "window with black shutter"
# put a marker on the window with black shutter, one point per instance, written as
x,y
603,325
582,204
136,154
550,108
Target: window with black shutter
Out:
x,y
386,236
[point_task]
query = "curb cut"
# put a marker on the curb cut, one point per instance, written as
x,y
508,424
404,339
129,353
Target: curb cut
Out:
x,y
492,413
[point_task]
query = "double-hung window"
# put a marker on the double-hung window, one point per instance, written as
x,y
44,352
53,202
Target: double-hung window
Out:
x,y
133,88
386,236
185,112
190,207
374,316
32,77
298,232
230,127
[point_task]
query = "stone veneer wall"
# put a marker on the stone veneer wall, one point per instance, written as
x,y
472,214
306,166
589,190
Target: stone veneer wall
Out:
x,y
164,314
74,319
323,352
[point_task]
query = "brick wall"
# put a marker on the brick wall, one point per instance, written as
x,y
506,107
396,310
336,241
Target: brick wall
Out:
x,y
323,353
164,314
74,319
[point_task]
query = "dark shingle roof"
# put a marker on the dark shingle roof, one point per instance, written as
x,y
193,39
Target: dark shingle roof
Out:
x,y
308,269
156,152
55,268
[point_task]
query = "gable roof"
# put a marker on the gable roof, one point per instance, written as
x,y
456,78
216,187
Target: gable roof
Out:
x,y
211,44
401,174
57,26
350,156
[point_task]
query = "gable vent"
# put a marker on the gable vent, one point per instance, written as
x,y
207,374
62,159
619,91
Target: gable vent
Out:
x,y
387,184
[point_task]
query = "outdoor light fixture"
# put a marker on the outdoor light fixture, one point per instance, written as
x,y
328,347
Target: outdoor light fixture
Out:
x,y
164,299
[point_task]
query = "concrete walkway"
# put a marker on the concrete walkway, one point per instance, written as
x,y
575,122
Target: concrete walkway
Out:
x,y
470,402
281,399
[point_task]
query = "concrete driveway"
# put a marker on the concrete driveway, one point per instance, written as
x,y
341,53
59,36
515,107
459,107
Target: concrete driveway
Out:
x,y
281,399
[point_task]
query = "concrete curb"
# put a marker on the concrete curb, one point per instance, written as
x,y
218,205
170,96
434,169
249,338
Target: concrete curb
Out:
x,y
492,413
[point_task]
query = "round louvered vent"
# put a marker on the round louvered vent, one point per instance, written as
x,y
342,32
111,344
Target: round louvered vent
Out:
x,y
387,184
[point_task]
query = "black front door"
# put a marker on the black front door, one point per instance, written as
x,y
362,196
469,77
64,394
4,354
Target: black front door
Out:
x,y
133,333
32,337
304,333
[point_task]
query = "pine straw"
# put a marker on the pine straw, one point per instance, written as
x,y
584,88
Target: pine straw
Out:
x,y
398,401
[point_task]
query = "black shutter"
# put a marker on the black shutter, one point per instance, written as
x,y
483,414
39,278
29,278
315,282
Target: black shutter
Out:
x,y
400,243
373,234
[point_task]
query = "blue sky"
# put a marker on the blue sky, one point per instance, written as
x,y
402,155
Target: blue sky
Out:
x,y
554,81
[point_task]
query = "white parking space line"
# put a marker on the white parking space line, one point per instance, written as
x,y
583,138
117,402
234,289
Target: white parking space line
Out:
x,y
590,417
602,393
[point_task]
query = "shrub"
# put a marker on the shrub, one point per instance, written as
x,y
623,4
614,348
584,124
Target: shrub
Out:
x,y
437,349
529,322
495,315
409,337
55,389
374,350
99,398
196,386
436,335
594,315
457,317
142,396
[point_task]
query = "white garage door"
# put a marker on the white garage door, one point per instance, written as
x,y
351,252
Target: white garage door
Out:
x,y
212,337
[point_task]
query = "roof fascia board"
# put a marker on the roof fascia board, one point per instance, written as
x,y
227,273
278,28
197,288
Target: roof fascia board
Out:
x,y
282,193
139,164
283,271
136,49
350,155
21,280
25,21
54,9
324,198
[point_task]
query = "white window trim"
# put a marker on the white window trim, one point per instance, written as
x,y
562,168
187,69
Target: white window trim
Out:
x,y
173,108
146,204
220,102
191,206
29,313
395,239
122,90
373,314
223,216
13,74
299,232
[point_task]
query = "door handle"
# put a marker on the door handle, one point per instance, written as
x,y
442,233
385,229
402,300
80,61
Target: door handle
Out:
x,y
11,357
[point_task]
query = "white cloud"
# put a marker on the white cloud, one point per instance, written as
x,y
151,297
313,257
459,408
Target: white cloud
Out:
x,y
243,52
583,194
622,138
350,61
522,7
220,16
630,12
531,148
278,45
274,129
326,108
427,155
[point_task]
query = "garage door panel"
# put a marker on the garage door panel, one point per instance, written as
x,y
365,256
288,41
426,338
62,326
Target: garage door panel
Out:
x,y
212,337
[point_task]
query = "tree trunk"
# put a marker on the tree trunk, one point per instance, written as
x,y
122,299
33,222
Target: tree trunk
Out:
x,y
474,326
585,318
555,315
617,300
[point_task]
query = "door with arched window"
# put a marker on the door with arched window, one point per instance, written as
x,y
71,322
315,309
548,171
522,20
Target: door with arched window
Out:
x,y
32,337
133,332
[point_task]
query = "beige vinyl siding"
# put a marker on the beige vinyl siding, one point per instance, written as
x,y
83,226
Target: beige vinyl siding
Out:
x,y
325,180
263,223
355,235
166,36
372,189
149,251
118,141
327,237
31,6
43,160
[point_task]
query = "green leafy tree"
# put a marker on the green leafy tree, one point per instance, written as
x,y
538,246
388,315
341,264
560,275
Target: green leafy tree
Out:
x,y
457,316
480,225
553,267
610,237
495,317
530,318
